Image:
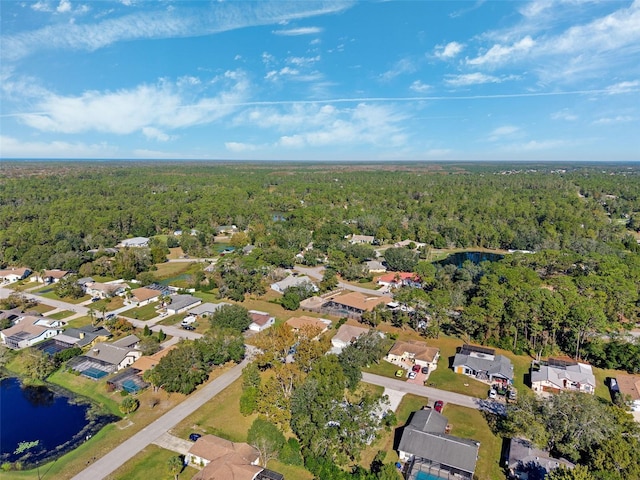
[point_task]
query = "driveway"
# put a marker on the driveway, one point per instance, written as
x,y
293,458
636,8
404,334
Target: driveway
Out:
x,y
173,443
435,393
317,273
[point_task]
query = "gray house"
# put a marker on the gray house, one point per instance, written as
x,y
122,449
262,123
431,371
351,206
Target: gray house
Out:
x,y
526,462
182,303
430,451
483,364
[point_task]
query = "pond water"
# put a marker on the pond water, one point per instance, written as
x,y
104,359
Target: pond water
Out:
x,y
459,258
57,422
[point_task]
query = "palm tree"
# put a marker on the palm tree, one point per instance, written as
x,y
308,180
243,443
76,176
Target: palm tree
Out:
x,y
92,314
175,466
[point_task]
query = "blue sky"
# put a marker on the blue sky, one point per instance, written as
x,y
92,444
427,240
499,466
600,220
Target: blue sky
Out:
x,y
306,80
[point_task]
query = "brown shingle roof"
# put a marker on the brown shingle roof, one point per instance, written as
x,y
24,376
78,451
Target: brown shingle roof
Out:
x,y
143,293
148,362
359,301
55,273
260,318
629,385
213,448
420,350
346,333
306,321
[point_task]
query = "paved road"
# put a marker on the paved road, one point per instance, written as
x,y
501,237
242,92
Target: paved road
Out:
x,y
129,448
434,393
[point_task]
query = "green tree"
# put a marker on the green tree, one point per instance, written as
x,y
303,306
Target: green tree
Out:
x,y
235,317
68,287
401,259
266,438
129,405
580,472
175,465
39,365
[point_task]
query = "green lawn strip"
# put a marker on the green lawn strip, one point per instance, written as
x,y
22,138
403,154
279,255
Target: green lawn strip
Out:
x,y
152,462
52,295
79,322
42,308
172,269
60,315
220,416
143,313
601,374
95,390
409,404
289,471
470,423
384,368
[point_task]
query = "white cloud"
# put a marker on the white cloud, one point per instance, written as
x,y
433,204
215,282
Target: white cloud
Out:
x,y
41,7
624,87
541,145
501,53
419,87
449,50
401,67
467,79
180,21
13,148
299,31
163,105
64,6
613,120
502,132
238,147
564,114
303,61
153,133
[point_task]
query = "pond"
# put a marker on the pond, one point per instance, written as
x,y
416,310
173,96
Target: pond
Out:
x,y
40,424
459,258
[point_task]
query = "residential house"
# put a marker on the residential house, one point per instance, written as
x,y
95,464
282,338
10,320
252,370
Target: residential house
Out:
x,y
298,323
12,315
558,374
526,462
130,341
399,279
406,243
135,242
223,459
182,303
375,266
427,449
207,309
629,387
29,330
82,336
346,335
414,352
105,290
147,362
112,357
483,364
354,304
226,230
50,276
247,249
260,320
294,281
12,275
144,296
360,239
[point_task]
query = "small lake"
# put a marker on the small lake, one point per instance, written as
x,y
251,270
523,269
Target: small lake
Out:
x,y
459,258
59,423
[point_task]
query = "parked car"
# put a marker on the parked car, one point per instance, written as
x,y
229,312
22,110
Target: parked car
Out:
x,y
416,368
493,393
111,316
425,370
399,373
194,436
513,394
188,327
95,299
412,375
437,406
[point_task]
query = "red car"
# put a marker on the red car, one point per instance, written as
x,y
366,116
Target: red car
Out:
x,y
416,368
438,406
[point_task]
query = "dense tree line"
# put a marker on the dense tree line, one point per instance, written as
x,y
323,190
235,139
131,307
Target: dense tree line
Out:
x,y
51,219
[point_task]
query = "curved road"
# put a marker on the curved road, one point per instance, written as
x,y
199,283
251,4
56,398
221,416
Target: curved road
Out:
x,y
316,273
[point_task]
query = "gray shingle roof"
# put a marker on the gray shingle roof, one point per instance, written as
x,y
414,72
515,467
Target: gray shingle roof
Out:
x,y
178,302
492,364
424,437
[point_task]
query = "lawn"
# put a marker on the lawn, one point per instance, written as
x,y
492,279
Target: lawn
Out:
x,y
175,253
470,423
144,313
221,416
290,472
171,269
88,388
79,322
384,369
42,308
60,315
152,462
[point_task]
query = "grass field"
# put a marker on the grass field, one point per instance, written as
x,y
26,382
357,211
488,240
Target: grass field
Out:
x,y
88,388
152,462
61,315
42,308
144,313
221,416
171,269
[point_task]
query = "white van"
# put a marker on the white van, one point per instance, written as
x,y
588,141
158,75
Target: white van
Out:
x,y
188,320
